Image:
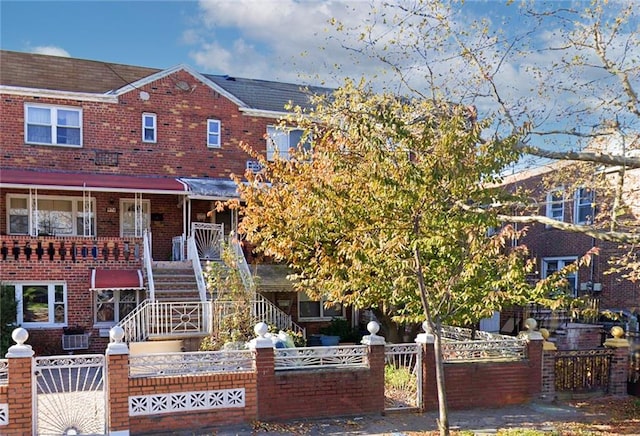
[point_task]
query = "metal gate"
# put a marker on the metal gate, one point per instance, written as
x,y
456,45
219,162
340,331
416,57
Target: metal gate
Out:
x,y
403,376
209,238
69,395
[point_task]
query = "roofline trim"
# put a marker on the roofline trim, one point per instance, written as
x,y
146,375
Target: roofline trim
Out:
x,y
90,188
265,113
64,95
164,73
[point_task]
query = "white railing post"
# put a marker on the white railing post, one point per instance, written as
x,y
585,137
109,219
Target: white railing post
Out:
x,y
148,264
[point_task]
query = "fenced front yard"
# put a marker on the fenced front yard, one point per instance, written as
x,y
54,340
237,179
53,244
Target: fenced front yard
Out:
x,y
170,391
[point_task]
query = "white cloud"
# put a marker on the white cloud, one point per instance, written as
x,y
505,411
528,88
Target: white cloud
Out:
x,y
51,50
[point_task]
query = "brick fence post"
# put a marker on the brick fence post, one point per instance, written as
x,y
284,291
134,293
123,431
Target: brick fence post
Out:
x,y
549,351
619,370
117,384
429,388
376,355
535,342
264,366
20,398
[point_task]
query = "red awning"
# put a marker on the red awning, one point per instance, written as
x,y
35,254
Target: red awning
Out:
x,y
116,279
15,178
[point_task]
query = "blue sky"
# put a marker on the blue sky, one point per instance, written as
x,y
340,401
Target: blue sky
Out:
x,y
248,38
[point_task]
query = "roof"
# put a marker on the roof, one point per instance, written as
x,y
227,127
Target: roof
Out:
x,y
17,178
28,70
211,188
267,95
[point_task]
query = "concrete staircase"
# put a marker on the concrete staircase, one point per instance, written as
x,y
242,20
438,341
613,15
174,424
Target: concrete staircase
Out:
x,y
175,282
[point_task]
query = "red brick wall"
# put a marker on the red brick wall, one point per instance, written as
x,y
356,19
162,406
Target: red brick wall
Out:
x,y
320,393
484,384
195,419
181,148
47,341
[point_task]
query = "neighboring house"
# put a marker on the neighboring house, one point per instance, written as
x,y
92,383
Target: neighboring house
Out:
x,y
108,173
553,249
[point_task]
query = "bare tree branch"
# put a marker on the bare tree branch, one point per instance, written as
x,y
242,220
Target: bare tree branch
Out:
x,y
584,156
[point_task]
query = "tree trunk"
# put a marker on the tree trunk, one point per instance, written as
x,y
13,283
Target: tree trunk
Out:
x,y
443,412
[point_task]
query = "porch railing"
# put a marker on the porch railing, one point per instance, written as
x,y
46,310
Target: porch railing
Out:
x,y
165,320
26,248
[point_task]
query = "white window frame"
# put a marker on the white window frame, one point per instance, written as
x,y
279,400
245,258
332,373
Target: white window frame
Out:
x,y
279,138
116,306
551,206
53,125
562,262
51,303
217,134
302,297
32,206
578,204
154,128
145,217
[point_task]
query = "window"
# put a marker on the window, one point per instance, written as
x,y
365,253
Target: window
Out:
x,y
50,215
551,265
584,209
40,304
314,309
281,140
53,125
149,128
555,204
112,305
135,217
213,133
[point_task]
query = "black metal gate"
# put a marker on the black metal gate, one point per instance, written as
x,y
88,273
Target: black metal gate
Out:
x,y
583,371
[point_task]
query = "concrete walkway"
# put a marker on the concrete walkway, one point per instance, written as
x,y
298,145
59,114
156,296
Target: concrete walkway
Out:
x,y
540,416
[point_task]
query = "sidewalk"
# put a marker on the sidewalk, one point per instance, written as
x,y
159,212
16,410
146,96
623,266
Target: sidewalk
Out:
x,y
536,415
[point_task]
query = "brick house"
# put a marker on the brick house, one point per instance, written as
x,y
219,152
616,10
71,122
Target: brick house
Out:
x,y
108,173
552,248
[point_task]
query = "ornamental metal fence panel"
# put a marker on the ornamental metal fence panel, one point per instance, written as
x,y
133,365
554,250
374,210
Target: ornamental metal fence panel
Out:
x,y
403,376
582,371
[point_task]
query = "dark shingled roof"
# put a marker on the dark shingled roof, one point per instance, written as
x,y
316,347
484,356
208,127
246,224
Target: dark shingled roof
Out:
x,y
30,70
267,95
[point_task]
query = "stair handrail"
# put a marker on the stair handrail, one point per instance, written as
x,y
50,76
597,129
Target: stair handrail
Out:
x,y
192,255
272,315
241,263
136,323
148,263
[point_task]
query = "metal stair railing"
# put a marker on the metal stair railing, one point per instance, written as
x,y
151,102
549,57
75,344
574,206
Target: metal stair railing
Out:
x,y
136,323
192,255
147,258
261,308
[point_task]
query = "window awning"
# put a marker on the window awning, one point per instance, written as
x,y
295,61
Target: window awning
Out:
x,y
211,189
25,179
116,279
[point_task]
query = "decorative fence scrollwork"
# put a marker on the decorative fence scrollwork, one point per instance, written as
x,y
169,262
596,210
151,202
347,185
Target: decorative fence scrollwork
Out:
x,y
165,364
314,357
